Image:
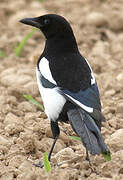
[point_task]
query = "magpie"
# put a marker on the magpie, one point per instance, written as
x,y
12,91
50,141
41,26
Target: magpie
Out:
x,y
67,84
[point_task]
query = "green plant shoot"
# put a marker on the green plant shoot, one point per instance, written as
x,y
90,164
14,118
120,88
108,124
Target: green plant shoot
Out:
x,y
21,45
47,165
106,155
3,54
41,1
75,138
28,97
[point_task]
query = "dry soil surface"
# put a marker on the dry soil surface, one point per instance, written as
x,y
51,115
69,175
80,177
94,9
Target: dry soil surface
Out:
x,y
24,130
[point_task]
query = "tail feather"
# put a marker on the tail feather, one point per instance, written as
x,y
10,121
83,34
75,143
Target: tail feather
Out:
x,y
85,127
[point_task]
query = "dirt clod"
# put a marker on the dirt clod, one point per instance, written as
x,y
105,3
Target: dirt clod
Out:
x,y
115,141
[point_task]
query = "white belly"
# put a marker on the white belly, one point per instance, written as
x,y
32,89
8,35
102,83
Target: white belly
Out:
x,y
52,100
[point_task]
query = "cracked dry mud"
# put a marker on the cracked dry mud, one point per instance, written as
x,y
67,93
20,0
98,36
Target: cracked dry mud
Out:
x,y
24,130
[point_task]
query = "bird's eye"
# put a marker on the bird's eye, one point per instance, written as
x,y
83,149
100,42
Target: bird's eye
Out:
x,y
46,21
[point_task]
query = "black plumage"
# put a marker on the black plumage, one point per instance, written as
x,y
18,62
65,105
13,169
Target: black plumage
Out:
x,y
67,84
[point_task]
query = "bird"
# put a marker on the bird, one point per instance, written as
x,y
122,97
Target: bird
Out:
x,y
67,84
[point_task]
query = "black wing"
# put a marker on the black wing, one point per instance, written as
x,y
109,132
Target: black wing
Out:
x,y
88,100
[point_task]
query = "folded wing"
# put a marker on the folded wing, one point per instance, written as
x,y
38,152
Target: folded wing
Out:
x,y
88,100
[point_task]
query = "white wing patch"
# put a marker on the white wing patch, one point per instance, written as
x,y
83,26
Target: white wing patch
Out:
x,y
86,108
45,70
52,100
92,74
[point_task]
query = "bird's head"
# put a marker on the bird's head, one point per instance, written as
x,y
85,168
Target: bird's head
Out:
x,y
50,24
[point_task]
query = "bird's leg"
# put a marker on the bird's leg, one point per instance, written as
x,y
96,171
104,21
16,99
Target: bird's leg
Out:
x,y
87,157
55,132
52,147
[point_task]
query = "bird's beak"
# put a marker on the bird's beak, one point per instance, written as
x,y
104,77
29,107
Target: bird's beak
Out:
x,y
31,21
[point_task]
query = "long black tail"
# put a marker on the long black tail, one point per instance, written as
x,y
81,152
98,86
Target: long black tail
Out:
x,y
85,127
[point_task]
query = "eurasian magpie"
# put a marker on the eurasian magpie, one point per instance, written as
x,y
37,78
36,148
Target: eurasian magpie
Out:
x,y
67,84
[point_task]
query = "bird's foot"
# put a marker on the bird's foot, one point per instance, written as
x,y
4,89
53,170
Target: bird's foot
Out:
x,y
75,159
40,164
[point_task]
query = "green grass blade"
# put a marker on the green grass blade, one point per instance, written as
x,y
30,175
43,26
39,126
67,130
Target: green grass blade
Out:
x,y
21,45
41,1
28,97
75,138
3,54
47,165
106,155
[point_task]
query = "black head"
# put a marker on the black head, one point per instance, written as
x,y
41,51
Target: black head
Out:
x,y
50,24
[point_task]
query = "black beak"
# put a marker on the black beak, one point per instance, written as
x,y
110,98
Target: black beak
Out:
x,y
31,21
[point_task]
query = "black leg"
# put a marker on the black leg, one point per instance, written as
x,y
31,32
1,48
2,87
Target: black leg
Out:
x,y
87,157
55,132
52,147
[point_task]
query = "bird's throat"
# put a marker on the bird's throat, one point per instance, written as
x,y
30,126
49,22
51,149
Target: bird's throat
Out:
x,y
61,45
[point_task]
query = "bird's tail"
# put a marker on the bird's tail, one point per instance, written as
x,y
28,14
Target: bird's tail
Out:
x,y
85,127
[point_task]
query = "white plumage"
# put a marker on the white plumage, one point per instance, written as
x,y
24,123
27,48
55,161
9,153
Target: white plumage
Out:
x,y
53,101
92,74
86,108
45,70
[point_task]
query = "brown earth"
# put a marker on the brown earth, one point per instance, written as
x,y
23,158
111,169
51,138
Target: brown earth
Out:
x,y
24,130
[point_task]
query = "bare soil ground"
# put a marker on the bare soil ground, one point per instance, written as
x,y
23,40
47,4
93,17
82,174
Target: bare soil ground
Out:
x,y
24,130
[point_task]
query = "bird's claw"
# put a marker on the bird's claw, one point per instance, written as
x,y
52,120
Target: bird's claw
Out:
x,y
40,164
